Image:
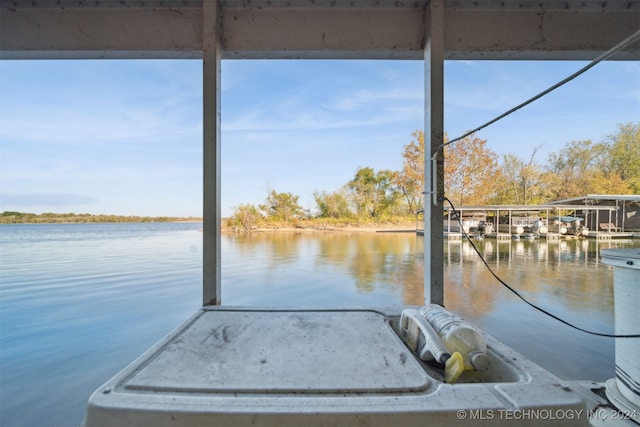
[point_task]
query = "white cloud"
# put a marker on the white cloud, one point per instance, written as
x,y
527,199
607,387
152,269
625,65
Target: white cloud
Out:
x,y
300,110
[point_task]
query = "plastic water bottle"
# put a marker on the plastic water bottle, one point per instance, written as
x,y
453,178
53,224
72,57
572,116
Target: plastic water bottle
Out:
x,y
421,338
458,336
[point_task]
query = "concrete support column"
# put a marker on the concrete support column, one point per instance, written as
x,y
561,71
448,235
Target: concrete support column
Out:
x,y
211,54
433,139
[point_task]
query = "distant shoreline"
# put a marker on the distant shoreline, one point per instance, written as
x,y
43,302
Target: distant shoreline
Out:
x,y
98,222
9,217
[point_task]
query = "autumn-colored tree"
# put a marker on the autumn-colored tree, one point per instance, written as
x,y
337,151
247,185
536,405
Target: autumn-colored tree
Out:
x,y
371,193
580,168
332,205
603,183
410,179
470,171
281,206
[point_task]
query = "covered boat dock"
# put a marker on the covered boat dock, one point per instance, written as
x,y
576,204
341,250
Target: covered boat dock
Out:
x,y
558,220
249,366
623,217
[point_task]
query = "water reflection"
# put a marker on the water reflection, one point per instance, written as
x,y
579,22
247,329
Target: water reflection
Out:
x,y
564,277
389,268
569,271
352,268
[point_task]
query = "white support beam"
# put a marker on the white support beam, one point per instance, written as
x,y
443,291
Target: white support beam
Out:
x,y
211,52
433,139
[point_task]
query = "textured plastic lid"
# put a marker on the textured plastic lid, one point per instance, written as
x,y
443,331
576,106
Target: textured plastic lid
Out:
x,y
227,367
267,352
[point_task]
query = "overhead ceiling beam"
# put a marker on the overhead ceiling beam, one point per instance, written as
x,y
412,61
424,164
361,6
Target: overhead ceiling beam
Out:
x,y
91,33
538,34
335,29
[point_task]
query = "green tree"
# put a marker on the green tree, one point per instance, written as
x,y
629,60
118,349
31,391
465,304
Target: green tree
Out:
x,y
372,194
625,154
508,180
282,206
520,182
245,217
569,172
332,205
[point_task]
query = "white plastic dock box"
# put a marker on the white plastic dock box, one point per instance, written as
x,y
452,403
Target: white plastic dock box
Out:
x,y
236,366
624,389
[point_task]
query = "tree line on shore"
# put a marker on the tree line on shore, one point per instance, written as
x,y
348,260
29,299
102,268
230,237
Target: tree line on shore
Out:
x,y
9,217
473,175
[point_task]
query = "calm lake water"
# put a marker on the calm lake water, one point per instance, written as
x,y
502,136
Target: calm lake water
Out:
x,y
78,302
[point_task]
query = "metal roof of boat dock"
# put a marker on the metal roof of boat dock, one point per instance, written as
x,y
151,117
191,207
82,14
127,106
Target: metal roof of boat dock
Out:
x,y
528,208
593,197
532,208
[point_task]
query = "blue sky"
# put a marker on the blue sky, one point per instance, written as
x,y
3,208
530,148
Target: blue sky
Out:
x,y
124,137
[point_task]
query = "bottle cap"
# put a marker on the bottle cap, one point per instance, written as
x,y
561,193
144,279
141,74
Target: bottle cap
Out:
x,y
453,368
479,360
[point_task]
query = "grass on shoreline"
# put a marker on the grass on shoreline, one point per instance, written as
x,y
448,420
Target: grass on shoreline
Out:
x,y
325,225
263,225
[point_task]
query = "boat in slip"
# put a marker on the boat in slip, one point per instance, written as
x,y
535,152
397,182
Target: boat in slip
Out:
x,y
570,225
522,224
474,223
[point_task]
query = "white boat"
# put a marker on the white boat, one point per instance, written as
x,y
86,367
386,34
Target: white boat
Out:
x,y
571,225
530,224
472,222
